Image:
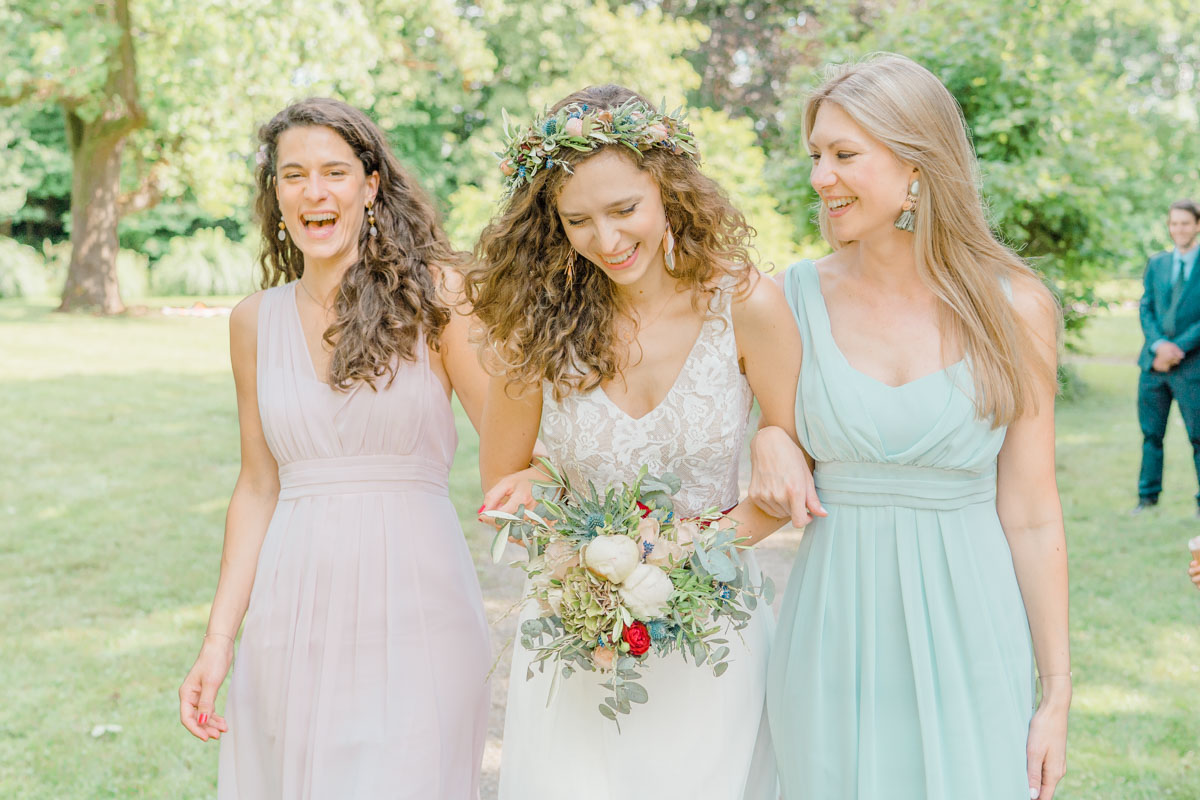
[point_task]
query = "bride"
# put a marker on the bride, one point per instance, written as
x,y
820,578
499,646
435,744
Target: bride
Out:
x,y
617,293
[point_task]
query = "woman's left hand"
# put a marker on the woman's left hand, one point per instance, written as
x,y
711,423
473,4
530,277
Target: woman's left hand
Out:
x,y
781,483
1194,573
1046,748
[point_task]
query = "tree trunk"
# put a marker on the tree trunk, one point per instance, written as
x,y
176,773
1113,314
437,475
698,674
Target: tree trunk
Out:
x,y
95,186
96,145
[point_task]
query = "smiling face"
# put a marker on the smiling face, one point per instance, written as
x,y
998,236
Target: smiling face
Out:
x,y
1183,228
322,191
861,182
613,215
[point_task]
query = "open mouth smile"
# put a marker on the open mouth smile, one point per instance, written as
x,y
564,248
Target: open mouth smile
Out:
x,y
319,224
622,260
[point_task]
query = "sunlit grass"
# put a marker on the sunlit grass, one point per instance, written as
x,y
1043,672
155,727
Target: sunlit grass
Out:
x,y
119,450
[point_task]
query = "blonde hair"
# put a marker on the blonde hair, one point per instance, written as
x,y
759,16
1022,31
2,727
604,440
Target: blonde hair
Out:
x,y
907,108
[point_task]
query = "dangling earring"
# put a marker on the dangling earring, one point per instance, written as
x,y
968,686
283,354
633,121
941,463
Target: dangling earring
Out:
x,y
907,220
571,265
669,250
371,219
282,235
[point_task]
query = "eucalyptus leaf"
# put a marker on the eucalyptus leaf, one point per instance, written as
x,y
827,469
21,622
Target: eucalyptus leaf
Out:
x,y
720,566
636,693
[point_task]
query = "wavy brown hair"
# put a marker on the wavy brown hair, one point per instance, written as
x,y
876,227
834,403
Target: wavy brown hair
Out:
x,y
388,298
545,322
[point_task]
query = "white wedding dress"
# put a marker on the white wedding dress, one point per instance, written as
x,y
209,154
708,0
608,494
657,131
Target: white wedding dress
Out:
x,y
699,737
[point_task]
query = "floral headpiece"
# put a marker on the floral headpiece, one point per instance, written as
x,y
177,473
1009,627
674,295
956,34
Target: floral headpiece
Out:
x,y
576,126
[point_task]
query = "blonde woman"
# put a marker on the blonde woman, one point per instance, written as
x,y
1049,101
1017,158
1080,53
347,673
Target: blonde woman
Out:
x,y
902,669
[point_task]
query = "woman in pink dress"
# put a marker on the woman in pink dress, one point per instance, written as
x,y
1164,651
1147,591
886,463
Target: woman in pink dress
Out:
x,y
362,671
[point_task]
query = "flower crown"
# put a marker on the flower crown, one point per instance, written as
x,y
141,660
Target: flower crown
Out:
x,y
578,127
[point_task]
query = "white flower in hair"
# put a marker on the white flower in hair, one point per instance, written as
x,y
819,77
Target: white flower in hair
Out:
x,y
260,157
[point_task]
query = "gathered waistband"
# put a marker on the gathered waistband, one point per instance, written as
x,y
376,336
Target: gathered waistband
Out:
x,y
868,483
360,474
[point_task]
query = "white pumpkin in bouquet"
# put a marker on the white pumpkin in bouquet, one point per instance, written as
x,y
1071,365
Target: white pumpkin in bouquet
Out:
x,y
646,592
613,558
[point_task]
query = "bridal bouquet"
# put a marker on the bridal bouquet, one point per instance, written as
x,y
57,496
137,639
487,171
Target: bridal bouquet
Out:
x,y
620,578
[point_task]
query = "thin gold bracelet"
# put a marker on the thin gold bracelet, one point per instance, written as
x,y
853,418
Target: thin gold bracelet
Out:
x,y
225,635
1057,675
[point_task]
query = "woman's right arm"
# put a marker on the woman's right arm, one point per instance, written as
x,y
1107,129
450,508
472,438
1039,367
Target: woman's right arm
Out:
x,y
250,510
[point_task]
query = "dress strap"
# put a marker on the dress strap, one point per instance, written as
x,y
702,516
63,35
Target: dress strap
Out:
x,y
272,333
802,288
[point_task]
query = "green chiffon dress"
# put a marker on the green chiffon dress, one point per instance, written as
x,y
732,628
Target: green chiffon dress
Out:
x,y
902,667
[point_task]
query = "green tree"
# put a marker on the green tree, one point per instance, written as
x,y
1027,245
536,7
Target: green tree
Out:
x,y
162,95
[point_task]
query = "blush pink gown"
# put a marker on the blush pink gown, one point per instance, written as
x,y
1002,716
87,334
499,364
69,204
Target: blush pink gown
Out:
x,y
362,671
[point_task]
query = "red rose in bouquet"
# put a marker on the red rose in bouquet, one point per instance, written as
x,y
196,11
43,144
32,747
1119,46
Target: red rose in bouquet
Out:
x,y
638,639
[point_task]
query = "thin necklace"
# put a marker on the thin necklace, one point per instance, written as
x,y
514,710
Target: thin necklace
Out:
x,y
642,324
310,296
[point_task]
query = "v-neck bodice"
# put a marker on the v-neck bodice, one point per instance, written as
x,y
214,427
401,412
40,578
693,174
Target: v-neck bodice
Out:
x,y
304,418
696,431
844,415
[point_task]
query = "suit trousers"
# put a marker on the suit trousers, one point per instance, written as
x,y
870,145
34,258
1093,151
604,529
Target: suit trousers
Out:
x,y
1156,390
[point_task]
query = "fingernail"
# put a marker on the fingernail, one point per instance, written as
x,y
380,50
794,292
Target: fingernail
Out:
x,y
203,718
1034,792
481,508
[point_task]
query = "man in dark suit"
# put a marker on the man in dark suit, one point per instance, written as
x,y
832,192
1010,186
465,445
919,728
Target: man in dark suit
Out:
x,y
1170,360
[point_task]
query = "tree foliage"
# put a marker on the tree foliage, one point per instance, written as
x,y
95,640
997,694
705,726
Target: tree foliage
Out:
x,y
1085,124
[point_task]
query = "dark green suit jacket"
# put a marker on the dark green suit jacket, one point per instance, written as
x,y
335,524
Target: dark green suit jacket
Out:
x,y
1155,300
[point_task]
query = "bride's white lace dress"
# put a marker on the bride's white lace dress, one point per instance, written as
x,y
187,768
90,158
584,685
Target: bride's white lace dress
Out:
x,y
700,737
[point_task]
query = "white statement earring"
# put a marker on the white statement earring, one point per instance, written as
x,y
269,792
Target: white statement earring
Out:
x,y
669,249
371,219
282,235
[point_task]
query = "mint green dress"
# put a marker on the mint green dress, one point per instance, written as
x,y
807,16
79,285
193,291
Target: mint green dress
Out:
x,y
902,667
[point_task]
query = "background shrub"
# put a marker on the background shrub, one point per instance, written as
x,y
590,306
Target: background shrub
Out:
x,y
205,263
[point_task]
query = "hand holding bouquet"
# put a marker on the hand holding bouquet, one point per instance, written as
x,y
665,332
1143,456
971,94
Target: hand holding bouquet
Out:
x,y
621,578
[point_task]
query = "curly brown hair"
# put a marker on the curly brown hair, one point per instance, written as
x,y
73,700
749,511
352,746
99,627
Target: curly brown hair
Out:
x,y
388,298
545,322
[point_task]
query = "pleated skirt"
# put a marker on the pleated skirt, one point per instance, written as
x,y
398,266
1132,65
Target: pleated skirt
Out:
x,y
362,670
902,666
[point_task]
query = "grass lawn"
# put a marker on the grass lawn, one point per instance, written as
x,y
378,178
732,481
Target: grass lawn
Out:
x,y
119,449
